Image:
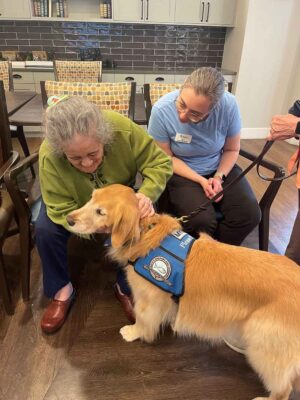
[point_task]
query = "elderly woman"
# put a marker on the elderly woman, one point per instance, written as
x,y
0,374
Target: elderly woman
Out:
x,y
86,149
200,128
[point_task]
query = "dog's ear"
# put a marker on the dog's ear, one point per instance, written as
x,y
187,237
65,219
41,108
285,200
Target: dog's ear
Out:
x,y
125,225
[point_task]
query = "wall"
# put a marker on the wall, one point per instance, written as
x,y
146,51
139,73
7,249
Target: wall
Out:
x,y
168,47
268,61
234,40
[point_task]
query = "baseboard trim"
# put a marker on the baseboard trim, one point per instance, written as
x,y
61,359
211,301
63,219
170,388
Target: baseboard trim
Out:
x,y
262,133
254,133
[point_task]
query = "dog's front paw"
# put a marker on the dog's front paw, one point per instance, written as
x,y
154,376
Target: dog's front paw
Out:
x,y
129,333
261,398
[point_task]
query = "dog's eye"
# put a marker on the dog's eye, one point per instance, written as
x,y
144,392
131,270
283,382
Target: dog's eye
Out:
x,y
99,211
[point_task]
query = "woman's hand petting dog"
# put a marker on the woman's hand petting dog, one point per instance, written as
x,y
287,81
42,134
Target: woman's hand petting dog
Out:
x,y
145,205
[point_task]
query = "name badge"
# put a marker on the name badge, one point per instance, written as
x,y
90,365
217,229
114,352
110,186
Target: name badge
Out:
x,y
183,138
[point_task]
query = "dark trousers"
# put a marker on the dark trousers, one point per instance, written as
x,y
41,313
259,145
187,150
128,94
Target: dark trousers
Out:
x,y
293,248
52,244
229,221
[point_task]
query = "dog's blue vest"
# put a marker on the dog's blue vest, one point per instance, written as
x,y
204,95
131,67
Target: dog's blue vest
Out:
x,y
165,265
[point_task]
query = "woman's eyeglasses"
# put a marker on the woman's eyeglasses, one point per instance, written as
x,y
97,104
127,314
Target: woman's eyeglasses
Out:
x,y
193,116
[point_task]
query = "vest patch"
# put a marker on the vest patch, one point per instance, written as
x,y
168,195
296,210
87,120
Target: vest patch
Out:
x,y
165,265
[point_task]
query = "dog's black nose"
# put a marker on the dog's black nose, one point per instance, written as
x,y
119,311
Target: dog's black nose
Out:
x,y
70,221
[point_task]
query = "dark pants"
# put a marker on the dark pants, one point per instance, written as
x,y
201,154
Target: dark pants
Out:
x,y
293,248
52,244
229,221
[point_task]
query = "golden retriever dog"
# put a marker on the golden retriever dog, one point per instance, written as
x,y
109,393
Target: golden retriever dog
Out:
x,y
227,288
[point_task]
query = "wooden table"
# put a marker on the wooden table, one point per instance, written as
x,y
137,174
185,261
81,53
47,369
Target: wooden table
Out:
x,y
10,102
15,100
31,114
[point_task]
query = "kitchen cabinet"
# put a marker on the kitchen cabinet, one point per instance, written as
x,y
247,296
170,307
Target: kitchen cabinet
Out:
x,y
144,10
213,12
159,78
88,10
107,77
71,9
14,9
228,80
138,78
30,80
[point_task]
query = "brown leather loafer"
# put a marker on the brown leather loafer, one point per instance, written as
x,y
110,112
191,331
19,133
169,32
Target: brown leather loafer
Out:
x,y
56,314
126,302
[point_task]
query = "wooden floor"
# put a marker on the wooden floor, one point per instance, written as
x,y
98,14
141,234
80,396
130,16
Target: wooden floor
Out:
x,y
88,360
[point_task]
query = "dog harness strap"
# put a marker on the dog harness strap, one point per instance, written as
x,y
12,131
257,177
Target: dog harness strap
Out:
x,y
165,265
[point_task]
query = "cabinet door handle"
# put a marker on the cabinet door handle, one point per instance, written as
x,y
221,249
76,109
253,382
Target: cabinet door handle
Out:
x,y
17,76
208,8
147,14
142,6
202,15
129,78
159,79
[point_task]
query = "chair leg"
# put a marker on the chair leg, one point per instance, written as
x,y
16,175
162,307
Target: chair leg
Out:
x,y
25,245
21,137
263,230
265,205
4,289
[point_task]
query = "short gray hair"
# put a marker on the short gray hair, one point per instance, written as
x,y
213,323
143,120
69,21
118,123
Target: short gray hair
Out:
x,y
74,115
206,81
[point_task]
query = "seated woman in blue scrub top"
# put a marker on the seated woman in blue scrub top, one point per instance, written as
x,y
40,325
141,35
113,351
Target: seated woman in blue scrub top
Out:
x,y
199,126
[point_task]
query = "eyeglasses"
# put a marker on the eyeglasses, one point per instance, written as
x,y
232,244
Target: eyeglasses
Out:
x,y
193,116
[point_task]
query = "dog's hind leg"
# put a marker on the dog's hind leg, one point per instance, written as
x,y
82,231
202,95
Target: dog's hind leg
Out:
x,y
274,368
283,395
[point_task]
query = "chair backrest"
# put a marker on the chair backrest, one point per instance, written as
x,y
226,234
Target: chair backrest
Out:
x,y
119,96
78,71
6,75
153,91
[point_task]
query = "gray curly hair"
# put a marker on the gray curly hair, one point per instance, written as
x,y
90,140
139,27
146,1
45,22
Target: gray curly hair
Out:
x,y
71,116
206,81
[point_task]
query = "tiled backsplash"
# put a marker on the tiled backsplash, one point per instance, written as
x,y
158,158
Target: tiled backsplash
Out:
x,y
170,47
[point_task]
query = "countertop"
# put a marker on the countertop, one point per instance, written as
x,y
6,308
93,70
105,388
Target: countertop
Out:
x,y
19,68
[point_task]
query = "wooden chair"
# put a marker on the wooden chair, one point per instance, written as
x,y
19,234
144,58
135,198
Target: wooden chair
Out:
x,y
119,96
78,71
152,92
8,209
24,191
7,78
7,213
6,75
